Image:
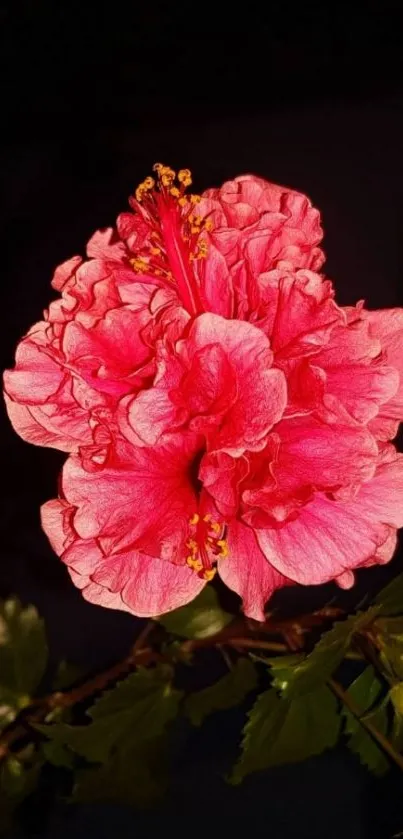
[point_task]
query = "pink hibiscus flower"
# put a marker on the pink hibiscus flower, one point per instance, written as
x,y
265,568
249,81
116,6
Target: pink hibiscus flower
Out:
x,y
224,414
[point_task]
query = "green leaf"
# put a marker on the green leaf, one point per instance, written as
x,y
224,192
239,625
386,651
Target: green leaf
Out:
x,y
66,675
390,640
364,692
17,780
396,695
326,656
58,754
281,730
396,735
229,691
136,776
23,656
199,619
135,711
390,598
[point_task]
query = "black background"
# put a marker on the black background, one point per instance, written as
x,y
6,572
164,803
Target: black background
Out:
x,y
90,99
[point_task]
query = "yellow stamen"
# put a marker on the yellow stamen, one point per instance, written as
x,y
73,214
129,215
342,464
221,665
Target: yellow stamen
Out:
x,y
195,519
209,573
174,191
202,250
223,544
195,199
185,177
192,544
167,175
193,563
139,264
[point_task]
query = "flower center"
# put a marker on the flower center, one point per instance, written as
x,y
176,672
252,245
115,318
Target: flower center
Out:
x,y
206,545
174,244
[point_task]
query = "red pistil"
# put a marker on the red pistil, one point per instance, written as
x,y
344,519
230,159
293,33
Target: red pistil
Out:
x,y
174,242
206,545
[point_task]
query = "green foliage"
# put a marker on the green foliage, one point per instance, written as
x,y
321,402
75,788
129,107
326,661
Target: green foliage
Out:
x,y
396,695
137,775
66,675
121,752
389,632
199,619
326,656
127,724
228,692
390,599
281,730
23,657
18,778
364,693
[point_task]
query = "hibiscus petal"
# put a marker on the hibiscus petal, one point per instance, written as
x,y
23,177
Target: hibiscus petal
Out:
x,y
131,580
313,453
302,312
216,283
37,376
387,325
330,537
49,425
146,501
262,392
247,572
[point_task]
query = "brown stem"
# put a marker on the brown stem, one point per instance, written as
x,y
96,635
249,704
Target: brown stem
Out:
x,y
252,643
238,635
376,735
39,709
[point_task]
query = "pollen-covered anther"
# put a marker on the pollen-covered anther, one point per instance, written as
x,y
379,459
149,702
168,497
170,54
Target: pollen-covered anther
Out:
x,y
201,251
208,574
185,177
139,264
223,544
146,186
165,174
205,547
194,563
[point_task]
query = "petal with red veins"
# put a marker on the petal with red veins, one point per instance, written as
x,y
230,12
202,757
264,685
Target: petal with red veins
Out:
x,y
261,390
130,580
247,572
330,537
314,453
387,326
301,312
105,244
222,476
64,428
221,379
37,376
145,501
216,283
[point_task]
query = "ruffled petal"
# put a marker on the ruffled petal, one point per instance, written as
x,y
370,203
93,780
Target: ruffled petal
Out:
x,y
330,537
247,572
